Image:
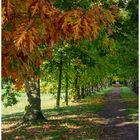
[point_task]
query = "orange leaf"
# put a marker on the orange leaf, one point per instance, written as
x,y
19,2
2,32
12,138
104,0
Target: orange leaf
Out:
x,y
9,8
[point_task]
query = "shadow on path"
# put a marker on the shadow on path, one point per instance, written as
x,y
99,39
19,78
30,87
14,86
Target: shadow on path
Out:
x,y
119,126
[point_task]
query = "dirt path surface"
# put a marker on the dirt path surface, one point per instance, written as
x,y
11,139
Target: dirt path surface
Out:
x,y
118,126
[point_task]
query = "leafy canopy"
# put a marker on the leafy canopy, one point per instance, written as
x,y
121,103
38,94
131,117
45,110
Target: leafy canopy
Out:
x,y
28,24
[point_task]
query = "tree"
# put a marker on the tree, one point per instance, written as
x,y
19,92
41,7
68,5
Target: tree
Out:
x,y
27,25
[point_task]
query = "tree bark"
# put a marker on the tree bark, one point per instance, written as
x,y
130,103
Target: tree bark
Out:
x,y
135,86
125,83
77,88
101,85
66,92
33,109
92,89
59,83
97,87
86,91
82,92
110,82
89,89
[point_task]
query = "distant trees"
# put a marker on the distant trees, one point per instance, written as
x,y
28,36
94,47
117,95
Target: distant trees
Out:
x,y
126,36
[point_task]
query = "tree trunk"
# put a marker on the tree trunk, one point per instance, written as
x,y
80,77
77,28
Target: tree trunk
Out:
x,y
77,88
87,92
82,92
59,83
92,89
89,89
110,82
135,86
33,109
101,85
125,83
66,92
97,87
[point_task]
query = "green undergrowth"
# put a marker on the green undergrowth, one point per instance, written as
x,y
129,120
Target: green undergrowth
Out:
x,y
131,100
127,94
90,104
78,121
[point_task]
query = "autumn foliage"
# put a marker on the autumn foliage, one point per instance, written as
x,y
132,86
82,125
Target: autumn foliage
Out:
x,y
28,24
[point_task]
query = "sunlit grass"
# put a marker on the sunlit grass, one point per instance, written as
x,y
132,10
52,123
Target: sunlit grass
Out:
x,y
127,94
133,113
131,99
48,101
77,121
98,98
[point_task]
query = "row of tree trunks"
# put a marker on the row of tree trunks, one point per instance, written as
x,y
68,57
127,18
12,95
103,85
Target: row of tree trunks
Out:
x,y
82,92
90,89
33,109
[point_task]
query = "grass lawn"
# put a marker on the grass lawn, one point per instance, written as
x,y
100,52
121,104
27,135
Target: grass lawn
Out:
x,y
47,100
78,121
131,100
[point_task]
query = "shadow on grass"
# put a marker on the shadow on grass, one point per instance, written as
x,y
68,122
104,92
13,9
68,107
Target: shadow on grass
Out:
x,y
91,104
12,117
77,122
83,109
71,121
74,110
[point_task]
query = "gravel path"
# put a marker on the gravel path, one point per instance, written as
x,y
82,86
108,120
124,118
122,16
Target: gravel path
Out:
x,y
118,126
